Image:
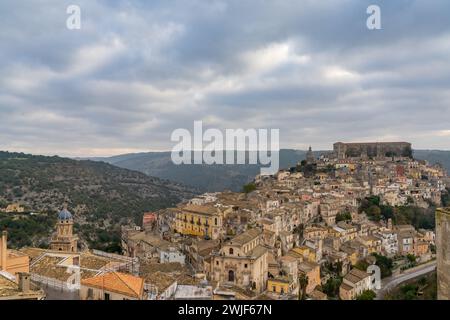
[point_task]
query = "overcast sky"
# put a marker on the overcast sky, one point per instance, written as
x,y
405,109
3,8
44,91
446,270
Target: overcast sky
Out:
x,y
137,70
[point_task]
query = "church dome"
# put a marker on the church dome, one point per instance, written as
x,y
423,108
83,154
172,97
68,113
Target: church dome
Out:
x,y
64,215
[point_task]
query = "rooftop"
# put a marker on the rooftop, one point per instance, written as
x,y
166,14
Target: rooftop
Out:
x,y
197,209
185,292
356,275
258,252
152,239
10,290
245,237
118,282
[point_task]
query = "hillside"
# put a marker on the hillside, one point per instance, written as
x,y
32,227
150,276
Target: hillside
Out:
x,y
100,195
205,177
223,177
434,156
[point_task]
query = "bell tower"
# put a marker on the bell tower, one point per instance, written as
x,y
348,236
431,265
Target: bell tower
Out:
x,y
64,239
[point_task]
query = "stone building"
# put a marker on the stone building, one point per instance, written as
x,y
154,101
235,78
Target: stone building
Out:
x,y
242,261
20,290
310,159
372,149
64,239
12,261
355,283
443,252
200,221
112,286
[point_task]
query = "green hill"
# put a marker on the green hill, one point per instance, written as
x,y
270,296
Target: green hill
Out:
x,y
101,196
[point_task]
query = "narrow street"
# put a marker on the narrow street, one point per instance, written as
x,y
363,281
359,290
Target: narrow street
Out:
x,y
393,281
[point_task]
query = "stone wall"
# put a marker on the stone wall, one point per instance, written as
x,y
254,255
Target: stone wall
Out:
x,y
443,252
372,149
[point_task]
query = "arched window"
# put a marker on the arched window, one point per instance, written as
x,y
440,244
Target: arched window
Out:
x,y
231,251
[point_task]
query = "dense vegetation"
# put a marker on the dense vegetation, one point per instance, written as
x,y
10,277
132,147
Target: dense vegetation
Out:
x,y
418,217
367,295
101,196
386,265
27,230
424,288
249,188
344,216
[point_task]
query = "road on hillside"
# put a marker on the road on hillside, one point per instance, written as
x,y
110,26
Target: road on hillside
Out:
x,y
393,281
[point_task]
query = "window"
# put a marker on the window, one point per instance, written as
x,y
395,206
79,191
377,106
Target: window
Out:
x,y
107,296
245,266
215,221
231,251
217,263
90,293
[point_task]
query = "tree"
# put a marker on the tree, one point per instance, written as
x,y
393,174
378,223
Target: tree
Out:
x,y
411,258
387,212
374,213
344,216
362,265
367,295
249,188
331,287
303,283
386,264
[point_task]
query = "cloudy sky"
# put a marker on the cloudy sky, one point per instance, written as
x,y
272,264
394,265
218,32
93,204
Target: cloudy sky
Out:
x,y
137,70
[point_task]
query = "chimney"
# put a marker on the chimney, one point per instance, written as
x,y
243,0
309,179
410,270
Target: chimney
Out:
x,y
3,250
24,282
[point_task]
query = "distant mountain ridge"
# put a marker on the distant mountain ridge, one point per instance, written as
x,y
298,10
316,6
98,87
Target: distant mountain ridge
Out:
x,y
226,177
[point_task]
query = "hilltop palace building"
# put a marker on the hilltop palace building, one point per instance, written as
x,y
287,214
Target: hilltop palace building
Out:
x,y
372,149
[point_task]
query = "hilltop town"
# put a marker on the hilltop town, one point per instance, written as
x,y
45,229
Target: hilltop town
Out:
x,y
307,232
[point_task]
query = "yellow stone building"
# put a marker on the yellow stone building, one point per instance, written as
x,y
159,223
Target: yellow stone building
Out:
x,y
14,208
200,221
304,253
281,285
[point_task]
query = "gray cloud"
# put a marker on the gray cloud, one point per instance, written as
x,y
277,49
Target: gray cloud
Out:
x,y
139,69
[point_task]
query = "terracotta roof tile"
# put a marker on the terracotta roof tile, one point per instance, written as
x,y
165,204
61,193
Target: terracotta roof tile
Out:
x,y
118,282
